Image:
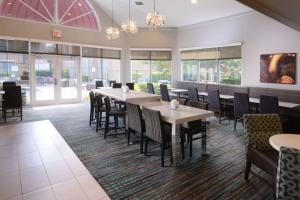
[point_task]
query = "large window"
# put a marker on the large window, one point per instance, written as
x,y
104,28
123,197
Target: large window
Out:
x,y
214,65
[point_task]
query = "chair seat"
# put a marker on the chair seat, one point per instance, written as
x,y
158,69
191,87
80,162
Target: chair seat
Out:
x,y
102,109
194,127
117,112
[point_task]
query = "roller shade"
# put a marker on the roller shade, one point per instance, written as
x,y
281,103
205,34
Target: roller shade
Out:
x,y
189,55
207,54
91,52
52,48
14,46
151,55
111,53
230,52
68,50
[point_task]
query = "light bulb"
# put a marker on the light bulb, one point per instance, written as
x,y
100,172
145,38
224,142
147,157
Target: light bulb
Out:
x,y
194,1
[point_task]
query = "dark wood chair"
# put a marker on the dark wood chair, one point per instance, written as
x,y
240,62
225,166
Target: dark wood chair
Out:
x,y
288,174
215,105
130,86
241,106
9,83
135,122
99,84
164,92
117,85
99,110
259,128
268,105
193,94
194,128
158,131
111,82
12,102
150,88
112,112
92,107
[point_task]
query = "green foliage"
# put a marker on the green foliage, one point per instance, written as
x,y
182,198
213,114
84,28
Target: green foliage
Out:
x,y
66,73
43,73
85,78
143,87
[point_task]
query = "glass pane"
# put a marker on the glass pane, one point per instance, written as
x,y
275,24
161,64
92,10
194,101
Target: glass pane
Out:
x,y
69,78
111,69
44,78
91,71
140,71
189,70
161,71
230,71
14,67
208,71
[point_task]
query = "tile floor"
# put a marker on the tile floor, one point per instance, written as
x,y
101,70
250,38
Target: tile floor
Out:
x,y
37,164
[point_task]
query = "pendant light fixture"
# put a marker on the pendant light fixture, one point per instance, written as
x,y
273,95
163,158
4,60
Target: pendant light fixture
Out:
x,y
154,19
112,32
129,25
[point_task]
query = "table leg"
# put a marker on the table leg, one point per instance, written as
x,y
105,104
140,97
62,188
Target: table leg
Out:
x,y
176,144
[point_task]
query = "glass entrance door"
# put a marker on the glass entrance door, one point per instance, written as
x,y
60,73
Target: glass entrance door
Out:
x,y
55,79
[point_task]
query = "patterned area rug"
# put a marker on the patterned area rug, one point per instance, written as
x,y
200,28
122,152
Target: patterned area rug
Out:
x,y
126,174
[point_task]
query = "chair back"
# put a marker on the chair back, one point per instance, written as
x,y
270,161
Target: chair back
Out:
x,y
92,99
241,104
130,86
259,128
107,104
150,88
12,97
99,101
288,174
268,105
135,121
9,83
99,84
193,94
117,85
111,82
164,92
153,125
213,99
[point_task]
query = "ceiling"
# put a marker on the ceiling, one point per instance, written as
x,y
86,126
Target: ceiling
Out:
x,y
178,13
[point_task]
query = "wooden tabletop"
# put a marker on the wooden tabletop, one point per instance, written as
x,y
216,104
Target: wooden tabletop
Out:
x,y
130,96
222,96
181,115
281,103
178,90
286,140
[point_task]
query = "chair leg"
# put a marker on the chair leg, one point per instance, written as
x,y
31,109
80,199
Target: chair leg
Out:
x,y
219,117
141,143
182,147
247,170
203,141
128,136
90,122
116,121
97,121
235,120
106,125
191,144
21,113
171,153
100,123
162,155
146,146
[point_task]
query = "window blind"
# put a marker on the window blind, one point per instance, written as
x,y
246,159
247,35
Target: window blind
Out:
x,y
101,53
111,53
52,48
14,46
151,55
230,52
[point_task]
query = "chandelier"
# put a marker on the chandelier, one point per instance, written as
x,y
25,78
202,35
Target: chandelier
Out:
x,y
154,19
129,26
112,32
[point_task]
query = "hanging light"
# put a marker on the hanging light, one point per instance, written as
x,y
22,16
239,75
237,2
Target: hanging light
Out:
x,y
112,32
154,19
129,26
194,1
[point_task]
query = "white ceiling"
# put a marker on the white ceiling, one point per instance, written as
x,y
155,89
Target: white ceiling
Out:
x,y
178,13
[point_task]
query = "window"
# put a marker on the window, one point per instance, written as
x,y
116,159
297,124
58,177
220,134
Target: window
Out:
x,y
140,71
111,69
213,65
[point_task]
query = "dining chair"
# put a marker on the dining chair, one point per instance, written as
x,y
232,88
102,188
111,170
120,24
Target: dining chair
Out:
x,y
117,85
130,86
268,105
92,107
288,174
99,110
259,128
158,131
135,122
150,88
241,106
164,92
112,112
9,83
111,82
215,105
12,102
193,94
193,128
99,84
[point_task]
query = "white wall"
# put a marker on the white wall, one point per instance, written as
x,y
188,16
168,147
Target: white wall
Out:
x,y
259,35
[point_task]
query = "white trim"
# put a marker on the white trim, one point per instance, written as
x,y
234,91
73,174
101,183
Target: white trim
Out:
x,y
89,12
150,49
60,19
212,46
43,3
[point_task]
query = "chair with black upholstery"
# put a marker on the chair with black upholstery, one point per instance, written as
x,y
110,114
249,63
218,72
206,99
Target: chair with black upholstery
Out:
x,y
150,88
99,110
135,122
99,84
111,82
9,83
259,128
193,94
215,105
158,131
194,128
92,107
130,86
164,92
268,105
117,85
12,102
112,112
241,106
288,174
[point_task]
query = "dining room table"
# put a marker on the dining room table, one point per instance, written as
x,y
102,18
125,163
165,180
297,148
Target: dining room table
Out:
x,y
285,140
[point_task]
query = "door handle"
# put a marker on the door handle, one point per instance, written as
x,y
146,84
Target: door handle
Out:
x,y
55,81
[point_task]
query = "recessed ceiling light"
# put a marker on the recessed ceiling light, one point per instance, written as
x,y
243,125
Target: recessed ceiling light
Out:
x,y
69,14
9,3
193,1
79,4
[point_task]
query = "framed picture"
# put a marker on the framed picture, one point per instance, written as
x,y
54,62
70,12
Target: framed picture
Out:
x,y
278,68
